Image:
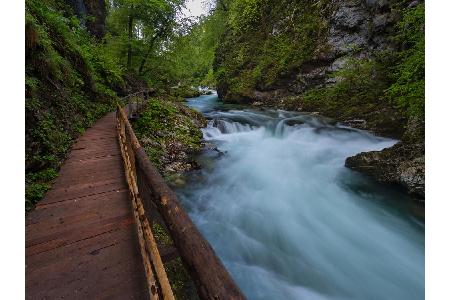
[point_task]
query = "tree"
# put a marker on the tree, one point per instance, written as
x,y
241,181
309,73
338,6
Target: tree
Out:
x,y
143,22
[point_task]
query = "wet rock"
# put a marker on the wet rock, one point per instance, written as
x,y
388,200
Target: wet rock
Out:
x,y
348,27
293,122
220,124
356,123
402,164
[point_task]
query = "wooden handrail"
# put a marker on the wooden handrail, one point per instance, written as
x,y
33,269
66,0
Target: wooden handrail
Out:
x,y
149,250
207,271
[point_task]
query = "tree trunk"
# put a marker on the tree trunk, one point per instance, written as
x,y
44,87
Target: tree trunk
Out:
x,y
144,59
130,37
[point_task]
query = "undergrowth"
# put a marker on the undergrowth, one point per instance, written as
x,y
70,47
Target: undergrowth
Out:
x,y
168,129
68,86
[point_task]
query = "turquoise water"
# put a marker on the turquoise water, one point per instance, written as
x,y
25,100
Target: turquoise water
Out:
x,y
286,217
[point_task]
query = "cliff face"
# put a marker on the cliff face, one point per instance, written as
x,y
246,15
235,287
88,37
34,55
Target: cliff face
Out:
x,y
347,59
309,43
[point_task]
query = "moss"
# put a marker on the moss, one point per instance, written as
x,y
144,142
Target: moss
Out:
x,y
264,41
391,82
180,281
169,132
179,93
408,88
179,278
37,184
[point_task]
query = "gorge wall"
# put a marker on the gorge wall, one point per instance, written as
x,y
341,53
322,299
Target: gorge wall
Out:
x,y
358,61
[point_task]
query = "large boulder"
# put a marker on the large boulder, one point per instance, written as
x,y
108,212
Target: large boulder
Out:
x,y
402,164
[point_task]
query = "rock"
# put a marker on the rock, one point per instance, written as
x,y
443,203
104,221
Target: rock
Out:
x,y
356,123
380,22
349,15
413,4
338,64
412,175
220,124
402,164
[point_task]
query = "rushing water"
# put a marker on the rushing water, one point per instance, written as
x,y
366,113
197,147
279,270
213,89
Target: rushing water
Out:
x,y
286,217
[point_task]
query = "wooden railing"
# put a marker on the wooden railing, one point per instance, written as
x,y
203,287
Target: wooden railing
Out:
x,y
135,103
149,190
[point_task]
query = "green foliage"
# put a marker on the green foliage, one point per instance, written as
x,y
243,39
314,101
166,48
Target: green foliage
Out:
x,y
37,184
359,88
164,124
179,278
408,89
138,29
68,84
263,41
245,14
188,57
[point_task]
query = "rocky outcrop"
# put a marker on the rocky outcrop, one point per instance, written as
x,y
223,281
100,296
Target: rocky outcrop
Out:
x,y
402,164
355,28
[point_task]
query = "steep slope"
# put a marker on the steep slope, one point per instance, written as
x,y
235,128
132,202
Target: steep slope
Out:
x,y
68,87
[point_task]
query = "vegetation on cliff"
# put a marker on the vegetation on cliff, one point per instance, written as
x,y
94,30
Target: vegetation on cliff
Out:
x,y
262,42
68,86
169,133
289,49
392,82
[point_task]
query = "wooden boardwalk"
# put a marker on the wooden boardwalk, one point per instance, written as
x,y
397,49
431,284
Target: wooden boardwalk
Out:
x,y
81,240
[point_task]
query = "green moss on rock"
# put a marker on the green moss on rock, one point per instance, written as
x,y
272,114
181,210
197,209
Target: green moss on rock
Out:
x,y
170,133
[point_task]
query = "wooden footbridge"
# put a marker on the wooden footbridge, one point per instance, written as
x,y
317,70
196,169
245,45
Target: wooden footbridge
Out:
x,y
91,236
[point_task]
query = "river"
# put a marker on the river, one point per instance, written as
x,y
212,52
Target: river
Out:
x,y
286,217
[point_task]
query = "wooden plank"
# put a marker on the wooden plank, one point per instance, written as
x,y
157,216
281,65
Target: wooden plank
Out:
x,y
80,239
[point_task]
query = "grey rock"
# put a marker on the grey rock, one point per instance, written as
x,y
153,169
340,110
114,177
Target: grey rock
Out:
x,y
412,175
380,22
338,64
356,123
402,164
349,15
413,4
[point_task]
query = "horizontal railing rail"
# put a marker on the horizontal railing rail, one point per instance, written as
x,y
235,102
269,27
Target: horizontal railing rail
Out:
x,y
148,190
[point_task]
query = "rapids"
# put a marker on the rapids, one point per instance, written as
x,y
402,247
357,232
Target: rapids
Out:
x,y
288,220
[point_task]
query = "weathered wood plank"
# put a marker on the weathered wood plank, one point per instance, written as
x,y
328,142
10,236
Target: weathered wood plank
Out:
x,y
81,241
